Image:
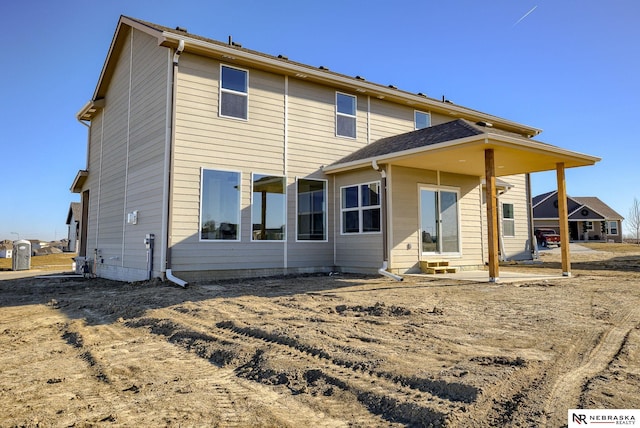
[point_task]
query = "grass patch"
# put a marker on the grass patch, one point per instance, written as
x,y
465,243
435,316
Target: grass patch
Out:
x,y
612,247
61,261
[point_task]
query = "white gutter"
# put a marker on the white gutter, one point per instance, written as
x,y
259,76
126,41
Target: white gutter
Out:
x,y
385,243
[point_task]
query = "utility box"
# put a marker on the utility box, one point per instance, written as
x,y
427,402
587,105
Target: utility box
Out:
x,y
21,255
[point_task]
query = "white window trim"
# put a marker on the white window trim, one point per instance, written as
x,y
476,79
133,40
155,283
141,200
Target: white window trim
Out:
x,y
284,179
361,208
326,209
239,211
354,116
508,219
609,228
415,122
229,91
589,225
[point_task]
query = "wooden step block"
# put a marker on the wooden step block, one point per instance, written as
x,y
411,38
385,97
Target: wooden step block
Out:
x,y
437,266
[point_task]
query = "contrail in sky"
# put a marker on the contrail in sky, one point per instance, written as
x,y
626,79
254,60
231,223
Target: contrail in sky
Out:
x,y
525,15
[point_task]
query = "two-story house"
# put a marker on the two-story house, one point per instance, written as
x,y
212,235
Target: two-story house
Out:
x,y
206,159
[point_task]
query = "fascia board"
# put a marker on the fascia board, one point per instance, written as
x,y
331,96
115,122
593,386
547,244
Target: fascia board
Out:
x,y
533,145
124,21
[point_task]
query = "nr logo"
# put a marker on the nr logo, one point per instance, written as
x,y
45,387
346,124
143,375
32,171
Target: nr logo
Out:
x,y
579,418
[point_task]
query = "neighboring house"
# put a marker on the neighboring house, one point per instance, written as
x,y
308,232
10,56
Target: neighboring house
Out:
x,y
36,245
589,218
73,222
206,159
6,251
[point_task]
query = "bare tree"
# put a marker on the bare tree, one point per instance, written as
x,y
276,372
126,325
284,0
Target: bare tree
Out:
x,y
633,221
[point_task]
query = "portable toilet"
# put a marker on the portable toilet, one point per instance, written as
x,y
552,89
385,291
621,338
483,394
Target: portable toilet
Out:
x,y
21,255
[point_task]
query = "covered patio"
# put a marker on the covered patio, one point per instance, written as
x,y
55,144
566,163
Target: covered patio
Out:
x,y
474,149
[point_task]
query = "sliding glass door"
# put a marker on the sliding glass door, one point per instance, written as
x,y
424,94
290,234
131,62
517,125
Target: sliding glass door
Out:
x,y
439,226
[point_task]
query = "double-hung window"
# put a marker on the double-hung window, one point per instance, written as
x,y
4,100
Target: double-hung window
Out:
x,y
233,92
360,207
312,210
345,115
422,119
612,228
220,205
268,208
508,220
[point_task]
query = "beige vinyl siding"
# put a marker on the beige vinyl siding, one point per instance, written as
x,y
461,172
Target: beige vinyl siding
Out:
x,y
312,140
389,119
471,238
516,247
303,255
358,251
405,243
126,156
206,140
112,175
93,182
437,119
147,136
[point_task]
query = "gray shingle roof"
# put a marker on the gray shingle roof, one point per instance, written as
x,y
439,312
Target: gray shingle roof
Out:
x,y
599,206
436,134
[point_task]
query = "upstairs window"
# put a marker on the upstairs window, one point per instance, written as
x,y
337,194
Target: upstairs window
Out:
x,y
508,220
360,208
422,119
345,115
233,92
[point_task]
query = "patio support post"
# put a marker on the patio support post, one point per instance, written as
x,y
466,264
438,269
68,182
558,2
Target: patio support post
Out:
x,y
492,214
563,219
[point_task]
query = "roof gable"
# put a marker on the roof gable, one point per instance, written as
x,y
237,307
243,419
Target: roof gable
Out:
x,y
600,207
579,208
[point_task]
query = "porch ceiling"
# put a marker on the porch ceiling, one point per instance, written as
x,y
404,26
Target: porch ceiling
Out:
x,y
510,158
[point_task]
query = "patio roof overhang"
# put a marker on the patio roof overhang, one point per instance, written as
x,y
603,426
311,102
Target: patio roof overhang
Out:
x,y
466,156
474,149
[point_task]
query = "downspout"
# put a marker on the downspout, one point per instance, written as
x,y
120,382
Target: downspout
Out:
x,y
385,227
170,140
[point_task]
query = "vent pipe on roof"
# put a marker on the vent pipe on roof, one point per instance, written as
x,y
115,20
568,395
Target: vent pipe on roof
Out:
x,y
232,43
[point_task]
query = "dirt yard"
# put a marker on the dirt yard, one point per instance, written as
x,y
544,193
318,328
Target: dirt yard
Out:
x,y
323,351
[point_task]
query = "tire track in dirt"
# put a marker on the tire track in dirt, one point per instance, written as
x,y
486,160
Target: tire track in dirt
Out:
x,y
396,398
243,355
566,389
235,402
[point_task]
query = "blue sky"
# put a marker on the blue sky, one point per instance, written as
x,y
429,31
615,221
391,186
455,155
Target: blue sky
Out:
x,y
569,67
